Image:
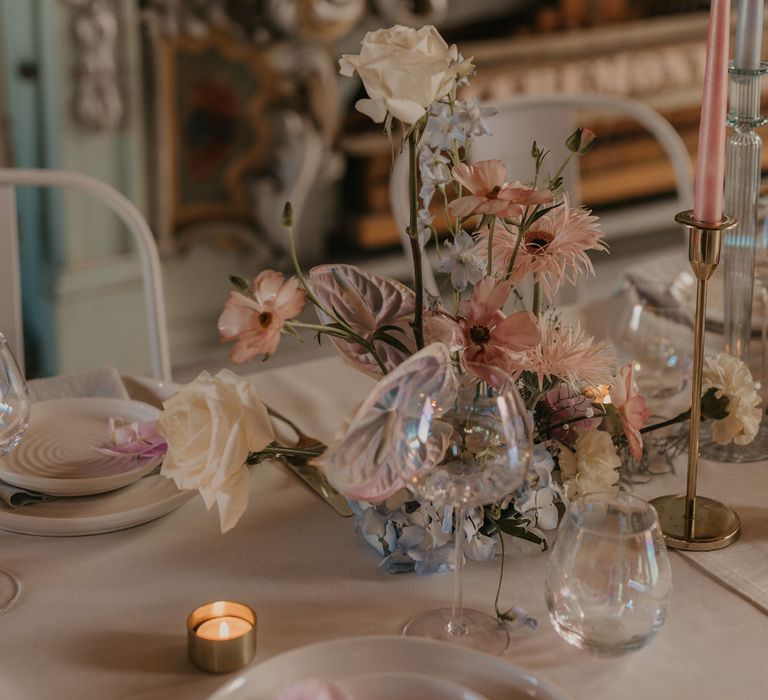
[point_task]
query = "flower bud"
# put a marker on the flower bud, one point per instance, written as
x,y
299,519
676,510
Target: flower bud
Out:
x,y
288,215
580,141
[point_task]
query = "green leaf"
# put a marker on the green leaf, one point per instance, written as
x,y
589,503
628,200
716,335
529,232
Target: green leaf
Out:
x,y
543,212
394,342
390,327
510,528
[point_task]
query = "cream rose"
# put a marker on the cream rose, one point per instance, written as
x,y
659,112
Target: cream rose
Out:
x,y
593,467
210,426
732,379
404,70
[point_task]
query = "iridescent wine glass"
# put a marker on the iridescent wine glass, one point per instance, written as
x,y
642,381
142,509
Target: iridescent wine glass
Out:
x,y
486,438
14,416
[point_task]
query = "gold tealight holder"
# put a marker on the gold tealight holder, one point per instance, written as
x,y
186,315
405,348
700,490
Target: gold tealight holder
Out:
x,y
221,636
692,522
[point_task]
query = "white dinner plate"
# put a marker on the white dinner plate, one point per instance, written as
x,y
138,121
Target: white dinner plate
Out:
x,y
386,686
147,499
56,455
340,659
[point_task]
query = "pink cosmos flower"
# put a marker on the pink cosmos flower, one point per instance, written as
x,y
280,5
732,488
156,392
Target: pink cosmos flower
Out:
x,y
631,409
490,194
255,322
554,248
139,440
486,335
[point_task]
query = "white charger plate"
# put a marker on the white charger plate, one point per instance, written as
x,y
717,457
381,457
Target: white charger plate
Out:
x,y
56,455
139,503
340,659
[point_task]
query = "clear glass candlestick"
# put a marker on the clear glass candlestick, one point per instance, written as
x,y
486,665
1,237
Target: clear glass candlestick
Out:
x,y
742,185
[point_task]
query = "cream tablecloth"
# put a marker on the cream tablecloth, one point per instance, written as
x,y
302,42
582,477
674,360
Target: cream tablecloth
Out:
x,y
103,616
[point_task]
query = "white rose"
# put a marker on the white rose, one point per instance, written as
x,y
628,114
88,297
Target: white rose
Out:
x,y
732,379
404,70
210,426
593,467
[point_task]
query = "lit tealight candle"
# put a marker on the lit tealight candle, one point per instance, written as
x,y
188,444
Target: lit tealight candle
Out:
x,y
227,627
221,636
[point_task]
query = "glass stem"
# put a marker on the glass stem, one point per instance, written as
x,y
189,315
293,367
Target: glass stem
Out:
x,y
456,626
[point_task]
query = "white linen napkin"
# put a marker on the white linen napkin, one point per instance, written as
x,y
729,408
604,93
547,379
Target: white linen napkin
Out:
x,y
104,382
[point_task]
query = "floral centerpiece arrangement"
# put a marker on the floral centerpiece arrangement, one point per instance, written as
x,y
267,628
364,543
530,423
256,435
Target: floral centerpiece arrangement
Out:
x,y
508,247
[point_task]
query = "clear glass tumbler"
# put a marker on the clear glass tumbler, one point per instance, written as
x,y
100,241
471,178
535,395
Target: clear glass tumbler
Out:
x,y
608,577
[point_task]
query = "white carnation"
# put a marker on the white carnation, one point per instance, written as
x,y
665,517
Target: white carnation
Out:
x,y
732,379
593,467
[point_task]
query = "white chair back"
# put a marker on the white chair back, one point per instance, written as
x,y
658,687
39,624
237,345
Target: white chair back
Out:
x,y
10,287
549,120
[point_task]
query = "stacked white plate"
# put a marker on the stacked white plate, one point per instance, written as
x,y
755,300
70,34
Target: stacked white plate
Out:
x,y
94,492
407,668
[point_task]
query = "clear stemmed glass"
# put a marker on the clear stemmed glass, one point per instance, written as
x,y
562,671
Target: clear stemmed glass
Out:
x,y
14,416
657,340
608,576
488,437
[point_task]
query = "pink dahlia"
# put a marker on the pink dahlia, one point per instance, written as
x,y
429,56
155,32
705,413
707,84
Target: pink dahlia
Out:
x,y
491,195
631,409
255,322
554,248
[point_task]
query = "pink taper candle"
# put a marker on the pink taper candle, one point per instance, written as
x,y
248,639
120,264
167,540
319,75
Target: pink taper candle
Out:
x,y
710,161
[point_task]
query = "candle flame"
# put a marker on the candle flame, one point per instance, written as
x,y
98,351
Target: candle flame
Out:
x,y
223,630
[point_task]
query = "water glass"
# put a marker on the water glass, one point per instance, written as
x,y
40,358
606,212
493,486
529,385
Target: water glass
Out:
x,y
608,577
14,400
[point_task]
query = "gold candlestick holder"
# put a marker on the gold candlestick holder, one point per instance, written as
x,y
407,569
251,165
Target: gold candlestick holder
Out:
x,y
693,522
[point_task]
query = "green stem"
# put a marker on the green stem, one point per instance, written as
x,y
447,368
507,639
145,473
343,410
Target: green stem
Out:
x,y
685,415
514,254
501,574
277,451
413,234
344,334
563,166
537,298
489,269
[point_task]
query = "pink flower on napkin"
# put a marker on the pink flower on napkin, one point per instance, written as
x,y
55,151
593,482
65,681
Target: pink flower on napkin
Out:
x,y
312,690
139,440
631,409
255,322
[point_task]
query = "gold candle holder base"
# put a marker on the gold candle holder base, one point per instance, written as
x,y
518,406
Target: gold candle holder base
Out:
x,y
691,522
714,525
